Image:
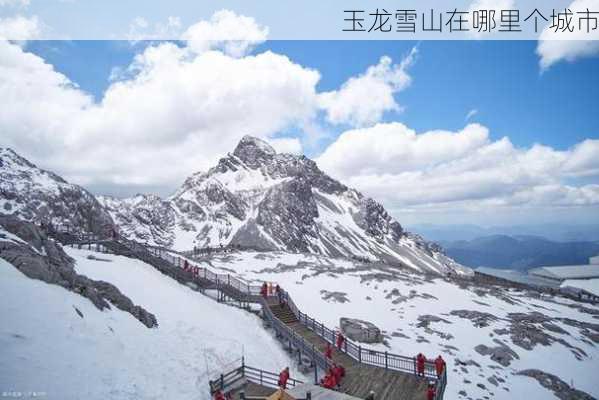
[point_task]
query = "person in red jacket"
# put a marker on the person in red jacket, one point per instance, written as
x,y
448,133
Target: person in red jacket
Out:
x,y
340,340
339,372
439,365
218,395
431,392
283,378
329,381
328,352
264,290
420,360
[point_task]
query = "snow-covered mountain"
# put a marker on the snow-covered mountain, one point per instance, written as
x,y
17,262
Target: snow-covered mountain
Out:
x,y
265,200
34,194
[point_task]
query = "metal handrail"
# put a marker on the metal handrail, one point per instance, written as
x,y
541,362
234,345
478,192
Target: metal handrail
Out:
x,y
362,355
261,377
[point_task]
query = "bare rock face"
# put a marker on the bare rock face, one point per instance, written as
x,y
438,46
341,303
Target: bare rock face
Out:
x,y
38,257
560,388
360,330
33,194
258,198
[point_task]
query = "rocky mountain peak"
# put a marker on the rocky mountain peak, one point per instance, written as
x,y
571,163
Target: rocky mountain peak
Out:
x,y
254,151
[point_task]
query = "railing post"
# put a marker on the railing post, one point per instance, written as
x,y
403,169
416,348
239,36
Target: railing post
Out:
x,y
359,353
386,361
261,377
222,382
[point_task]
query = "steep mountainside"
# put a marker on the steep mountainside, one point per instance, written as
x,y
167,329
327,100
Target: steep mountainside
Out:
x,y
258,198
519,252
34,194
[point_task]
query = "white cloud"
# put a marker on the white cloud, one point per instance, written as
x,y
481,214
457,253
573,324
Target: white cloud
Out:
x,y
441,170
471,114
362,100
286,145
234,34
554,47
20,28
142,29
177,112
13,3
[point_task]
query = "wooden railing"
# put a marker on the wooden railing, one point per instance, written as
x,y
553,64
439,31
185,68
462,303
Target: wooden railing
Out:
x,y
227,381
249,292
369,356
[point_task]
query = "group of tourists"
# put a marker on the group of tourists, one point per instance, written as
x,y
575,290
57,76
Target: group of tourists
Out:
x,y
421,360
195,271
328,350
333,377
267,289
440,366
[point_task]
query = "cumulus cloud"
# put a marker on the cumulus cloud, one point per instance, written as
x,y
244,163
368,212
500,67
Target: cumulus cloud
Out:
x,y
175,113
13,3
363,99
554,47
234,34
20,28
464,169
141,29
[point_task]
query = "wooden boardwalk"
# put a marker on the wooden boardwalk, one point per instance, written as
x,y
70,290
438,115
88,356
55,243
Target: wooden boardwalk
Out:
x,y
360,378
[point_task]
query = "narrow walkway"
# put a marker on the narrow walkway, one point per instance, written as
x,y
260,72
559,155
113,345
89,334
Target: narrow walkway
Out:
x,y
360,378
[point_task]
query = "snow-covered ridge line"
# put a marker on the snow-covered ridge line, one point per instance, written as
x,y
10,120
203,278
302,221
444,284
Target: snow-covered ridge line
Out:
x,y
258,198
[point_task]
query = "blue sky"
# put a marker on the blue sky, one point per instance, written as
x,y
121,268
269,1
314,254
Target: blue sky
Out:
x,y
396,130
499,79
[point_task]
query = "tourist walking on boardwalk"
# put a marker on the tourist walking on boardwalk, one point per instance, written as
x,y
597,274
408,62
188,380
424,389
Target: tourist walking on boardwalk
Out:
x,y
218,395
431,392
439,365
328,351
264,290
279,294
340,340
420,360
283,378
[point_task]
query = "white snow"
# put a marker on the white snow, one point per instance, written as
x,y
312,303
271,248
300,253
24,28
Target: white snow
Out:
x,y
47,347
402,317
590,285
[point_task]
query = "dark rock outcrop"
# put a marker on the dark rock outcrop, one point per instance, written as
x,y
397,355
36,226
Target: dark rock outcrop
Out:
x,y
39,257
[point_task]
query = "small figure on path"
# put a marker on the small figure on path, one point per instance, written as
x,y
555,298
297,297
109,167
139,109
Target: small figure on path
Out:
x,y
420,360
328,352
340,340
439,365
279,293
218,395
430,392
264,290
283,377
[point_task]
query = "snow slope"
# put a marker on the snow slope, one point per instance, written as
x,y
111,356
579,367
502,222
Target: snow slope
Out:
x,y
328,289
47,347
590,285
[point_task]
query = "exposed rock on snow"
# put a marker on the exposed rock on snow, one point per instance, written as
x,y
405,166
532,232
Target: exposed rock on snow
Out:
x,y
501,354
560,388
41,258
360,330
